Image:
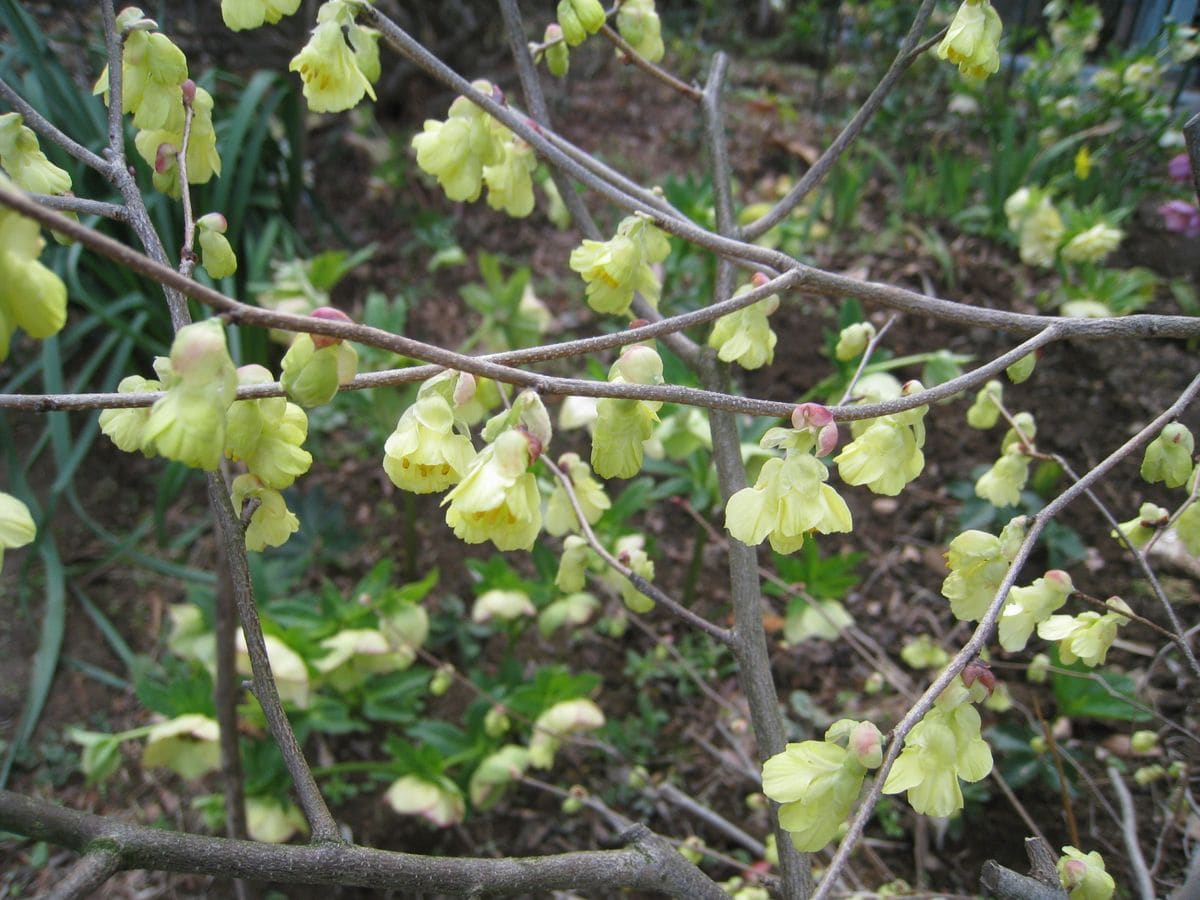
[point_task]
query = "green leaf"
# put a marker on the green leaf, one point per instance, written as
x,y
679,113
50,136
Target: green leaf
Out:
x,y
1085,697
396,697
330,715
445,739
175,688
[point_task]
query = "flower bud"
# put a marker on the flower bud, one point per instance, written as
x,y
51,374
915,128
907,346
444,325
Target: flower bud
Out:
x,y
1168,457
811,415
1143,741
558,57
496,721
1038,668
985,411
442,678
1022,368
853,340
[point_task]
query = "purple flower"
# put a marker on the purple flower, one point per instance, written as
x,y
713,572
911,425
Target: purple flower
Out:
x,y
1181,217
1180,168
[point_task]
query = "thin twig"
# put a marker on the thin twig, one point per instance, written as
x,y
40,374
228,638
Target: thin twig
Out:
x,y
1064,789
643,586
905,56
655,71
324,827
867,353
81,206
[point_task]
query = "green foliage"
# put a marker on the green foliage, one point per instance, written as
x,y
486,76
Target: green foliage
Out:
x,y
1092,694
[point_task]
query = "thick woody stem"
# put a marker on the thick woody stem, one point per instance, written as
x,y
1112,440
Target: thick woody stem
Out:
x,y
646,863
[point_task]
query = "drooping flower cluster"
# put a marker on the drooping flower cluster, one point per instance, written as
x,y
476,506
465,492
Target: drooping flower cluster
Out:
x,y
617,268
31,296
790,499
1027,607
579,18
885,454
154,80
439,802
1083,875
1001,485
558,722
1139,530
623,425
639,25
560,515
316,365
1168,457
470,149
497,499
817,782
972,41
1087,636
745,336
942,748
340,61
23,161
431,447
216,255
188,422
853,340
197,421
978,562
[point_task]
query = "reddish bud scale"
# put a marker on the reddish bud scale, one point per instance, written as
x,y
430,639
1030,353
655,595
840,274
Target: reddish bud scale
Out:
x,y
535,445
189,91
978,670
759,279
639,323
164,158
329,314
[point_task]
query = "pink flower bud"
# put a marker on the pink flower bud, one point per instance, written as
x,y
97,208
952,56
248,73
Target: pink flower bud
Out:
x,y
189,91
827,439
759,279
1073,873
332,315
464,389
811,415
212,221
164,158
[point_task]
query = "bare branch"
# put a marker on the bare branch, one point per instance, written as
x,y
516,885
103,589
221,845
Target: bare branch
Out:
x,y
655,593
88,875
233,540
645,863
81,206
655,71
